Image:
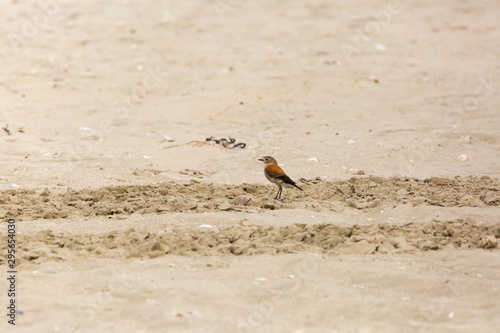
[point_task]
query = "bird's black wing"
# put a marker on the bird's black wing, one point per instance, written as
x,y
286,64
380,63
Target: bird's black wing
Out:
x,y
288,181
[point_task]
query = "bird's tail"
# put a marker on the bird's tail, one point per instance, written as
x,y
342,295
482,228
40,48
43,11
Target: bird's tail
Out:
x,y
297,187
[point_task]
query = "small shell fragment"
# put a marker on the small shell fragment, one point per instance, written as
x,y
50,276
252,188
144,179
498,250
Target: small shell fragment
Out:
x,y
168,139
466,138
464,158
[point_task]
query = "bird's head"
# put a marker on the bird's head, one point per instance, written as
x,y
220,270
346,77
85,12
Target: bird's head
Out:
x,y
268,160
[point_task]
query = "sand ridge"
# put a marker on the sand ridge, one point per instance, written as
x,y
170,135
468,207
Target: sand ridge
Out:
x,y
379,238
360,192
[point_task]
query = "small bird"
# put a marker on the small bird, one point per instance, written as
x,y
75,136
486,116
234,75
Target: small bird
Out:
x,y
276,175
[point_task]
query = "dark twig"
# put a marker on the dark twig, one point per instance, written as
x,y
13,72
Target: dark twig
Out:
x,y
6,129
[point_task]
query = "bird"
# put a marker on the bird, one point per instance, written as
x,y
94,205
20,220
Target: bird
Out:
x,y
276,175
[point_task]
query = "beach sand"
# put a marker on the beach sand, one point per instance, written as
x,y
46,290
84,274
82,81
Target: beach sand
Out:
x,y
127,220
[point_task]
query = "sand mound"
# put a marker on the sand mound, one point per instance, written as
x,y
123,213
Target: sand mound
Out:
x,y
361,193
241,240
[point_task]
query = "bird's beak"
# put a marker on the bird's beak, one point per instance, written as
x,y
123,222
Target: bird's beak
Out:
x,y
260,159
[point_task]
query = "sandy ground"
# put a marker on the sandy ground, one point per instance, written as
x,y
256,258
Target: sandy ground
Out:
x,y
386,113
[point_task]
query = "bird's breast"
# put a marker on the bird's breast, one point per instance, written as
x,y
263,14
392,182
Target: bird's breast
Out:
x,y
269,177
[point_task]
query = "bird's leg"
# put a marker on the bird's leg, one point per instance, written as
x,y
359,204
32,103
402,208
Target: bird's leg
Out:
x,y
278,195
